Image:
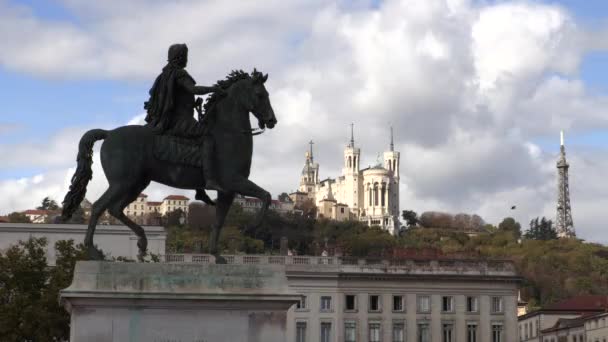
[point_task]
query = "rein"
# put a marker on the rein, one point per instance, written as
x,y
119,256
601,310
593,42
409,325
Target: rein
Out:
x,y
255,131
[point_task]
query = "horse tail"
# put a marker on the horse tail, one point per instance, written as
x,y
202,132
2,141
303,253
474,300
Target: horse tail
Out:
x,y
83,174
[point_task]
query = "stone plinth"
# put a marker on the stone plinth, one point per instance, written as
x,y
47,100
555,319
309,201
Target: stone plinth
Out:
x,y
122,302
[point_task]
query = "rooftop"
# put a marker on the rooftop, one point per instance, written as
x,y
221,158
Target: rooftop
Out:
x,y
36,212
575,305
177,197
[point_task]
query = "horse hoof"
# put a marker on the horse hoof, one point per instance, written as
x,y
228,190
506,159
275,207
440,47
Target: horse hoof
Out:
x,y
220,260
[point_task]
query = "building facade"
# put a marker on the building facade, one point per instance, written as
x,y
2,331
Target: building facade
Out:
x,y
408,300
113,240
370,195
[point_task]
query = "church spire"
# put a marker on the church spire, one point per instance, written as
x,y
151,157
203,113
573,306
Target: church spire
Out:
x,y
310,152
352,136
392,148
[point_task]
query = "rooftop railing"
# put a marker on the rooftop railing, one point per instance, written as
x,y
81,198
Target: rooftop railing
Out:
x,y
459,266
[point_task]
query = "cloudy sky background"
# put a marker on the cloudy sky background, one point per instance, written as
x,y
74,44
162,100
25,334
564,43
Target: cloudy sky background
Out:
x,y
477,92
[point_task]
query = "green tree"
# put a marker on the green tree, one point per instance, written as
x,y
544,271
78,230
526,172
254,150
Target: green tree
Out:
x,y
29,290
410,217
541,230
48,204
16,217
175,218
284,197
509,224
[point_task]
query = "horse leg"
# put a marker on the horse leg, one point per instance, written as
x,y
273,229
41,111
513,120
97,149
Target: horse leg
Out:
x,y
97,209
223,203
246,187
117,208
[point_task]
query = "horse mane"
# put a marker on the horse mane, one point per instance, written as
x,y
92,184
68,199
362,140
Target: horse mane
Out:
x,y
233,77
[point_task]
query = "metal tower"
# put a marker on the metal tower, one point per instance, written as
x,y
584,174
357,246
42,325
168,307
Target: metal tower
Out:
x,y
564,225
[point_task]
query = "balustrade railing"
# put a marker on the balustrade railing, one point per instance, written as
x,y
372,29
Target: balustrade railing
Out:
x,y
441,265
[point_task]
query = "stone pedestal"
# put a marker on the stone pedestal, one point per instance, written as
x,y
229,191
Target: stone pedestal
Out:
x,y
121,302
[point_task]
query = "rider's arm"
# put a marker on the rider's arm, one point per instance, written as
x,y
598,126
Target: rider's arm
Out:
x,y
188,84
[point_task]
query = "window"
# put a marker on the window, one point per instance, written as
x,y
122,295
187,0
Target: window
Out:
x,y
342,210
350,332
398,332
350,302
447,303
471,332
374,303
398,303
300,331
325,303
496,304
424,304
325,332
374,332
472,304
423,334
447,332
301,305
496,332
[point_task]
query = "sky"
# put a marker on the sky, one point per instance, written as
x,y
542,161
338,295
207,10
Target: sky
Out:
x,y
477,92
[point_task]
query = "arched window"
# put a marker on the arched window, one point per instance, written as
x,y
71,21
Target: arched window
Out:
x,y
355,162
350,162
375,193
394,164
369,191
383,193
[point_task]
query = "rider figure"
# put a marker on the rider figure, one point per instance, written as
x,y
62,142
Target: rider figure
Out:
x,y
171,107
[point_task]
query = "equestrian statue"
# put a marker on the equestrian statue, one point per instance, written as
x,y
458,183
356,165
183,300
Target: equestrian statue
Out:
x,y
211,153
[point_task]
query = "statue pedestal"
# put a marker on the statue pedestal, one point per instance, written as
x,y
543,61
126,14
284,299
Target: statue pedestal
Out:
x,y
110,301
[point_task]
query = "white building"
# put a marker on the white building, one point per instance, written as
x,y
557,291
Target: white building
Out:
x,y
141,209
173,203
370,195
114,241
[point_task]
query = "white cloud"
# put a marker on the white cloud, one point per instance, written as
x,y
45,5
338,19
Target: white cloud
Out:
x,y
469,88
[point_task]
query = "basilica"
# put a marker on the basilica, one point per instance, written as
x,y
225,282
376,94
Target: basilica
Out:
x,y
370,195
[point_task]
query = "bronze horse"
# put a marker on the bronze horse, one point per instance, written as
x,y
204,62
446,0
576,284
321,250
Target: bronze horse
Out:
x,y
129,164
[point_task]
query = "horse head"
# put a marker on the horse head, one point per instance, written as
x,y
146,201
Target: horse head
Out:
x,y
259,101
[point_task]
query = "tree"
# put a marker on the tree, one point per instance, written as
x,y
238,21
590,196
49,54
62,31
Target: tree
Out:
x,y
29,290
48,204
410,217
541,230
509,224
175,218
284,197
16,217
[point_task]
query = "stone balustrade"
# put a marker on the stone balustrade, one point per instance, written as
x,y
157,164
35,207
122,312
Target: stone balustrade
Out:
x,y
362,265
